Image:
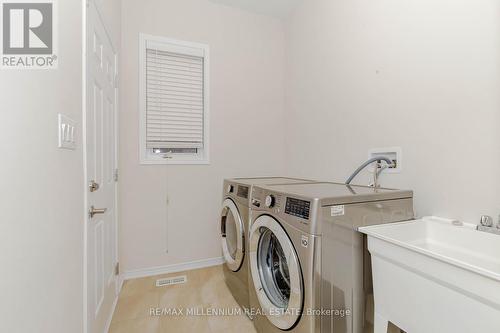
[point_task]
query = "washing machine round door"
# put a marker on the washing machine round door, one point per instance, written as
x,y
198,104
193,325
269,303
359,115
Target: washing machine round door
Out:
x,y
232,231
276,272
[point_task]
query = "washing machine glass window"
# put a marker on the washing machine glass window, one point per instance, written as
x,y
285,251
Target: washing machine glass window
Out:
x,y
276,272
232,232
273,269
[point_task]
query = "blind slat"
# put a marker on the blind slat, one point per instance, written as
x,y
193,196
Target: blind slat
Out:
x,y
179,55
174,144
152,75
161,125
183,103
166,68
174,120
176,83
177,97
162,107
178,61
191,133
184,125
176,137
175,107
177,64
176,114
159,89
153,72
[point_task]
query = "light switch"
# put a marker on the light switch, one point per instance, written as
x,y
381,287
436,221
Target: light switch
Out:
x,y
67,136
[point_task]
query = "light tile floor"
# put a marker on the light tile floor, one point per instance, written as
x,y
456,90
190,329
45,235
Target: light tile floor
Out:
x,y
205,288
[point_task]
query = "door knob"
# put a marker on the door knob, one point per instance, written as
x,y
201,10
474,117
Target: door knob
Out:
x,y
93,211
93,186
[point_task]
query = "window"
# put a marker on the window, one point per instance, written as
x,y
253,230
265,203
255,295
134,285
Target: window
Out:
x,y
173,101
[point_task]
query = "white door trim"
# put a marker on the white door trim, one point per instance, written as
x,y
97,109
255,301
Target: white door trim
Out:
x,y
84,149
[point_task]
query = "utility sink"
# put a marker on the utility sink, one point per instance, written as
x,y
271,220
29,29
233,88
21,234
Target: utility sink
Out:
x,y
435,275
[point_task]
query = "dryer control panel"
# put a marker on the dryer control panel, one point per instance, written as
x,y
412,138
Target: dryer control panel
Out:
x,y
243,191
268,201
281,204
298,211
298,208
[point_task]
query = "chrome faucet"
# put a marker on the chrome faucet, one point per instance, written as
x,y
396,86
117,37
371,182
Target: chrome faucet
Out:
x,y
486,221
378,169
486,225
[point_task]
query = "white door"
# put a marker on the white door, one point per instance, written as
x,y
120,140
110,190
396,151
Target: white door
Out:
x,y
101,228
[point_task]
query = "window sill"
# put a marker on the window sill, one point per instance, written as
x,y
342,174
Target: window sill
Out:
x,y
174,162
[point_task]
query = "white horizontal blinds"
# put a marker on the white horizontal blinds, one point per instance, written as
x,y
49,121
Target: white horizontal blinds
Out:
x,y
174,96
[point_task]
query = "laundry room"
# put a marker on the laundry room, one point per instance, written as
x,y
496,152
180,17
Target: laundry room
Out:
x,y
250,166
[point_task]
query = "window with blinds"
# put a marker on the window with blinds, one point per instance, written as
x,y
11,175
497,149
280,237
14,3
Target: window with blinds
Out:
x,y
174,101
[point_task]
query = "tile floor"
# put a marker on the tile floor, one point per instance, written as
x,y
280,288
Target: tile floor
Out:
x,y
132,314
205,288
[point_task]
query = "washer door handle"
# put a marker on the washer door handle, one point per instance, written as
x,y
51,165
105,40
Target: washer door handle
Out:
x,y
223,226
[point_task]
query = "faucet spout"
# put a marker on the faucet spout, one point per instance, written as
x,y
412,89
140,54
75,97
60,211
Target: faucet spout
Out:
x,y
378,160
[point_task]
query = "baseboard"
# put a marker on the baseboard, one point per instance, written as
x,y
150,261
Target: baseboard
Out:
x,y
120,284
139,273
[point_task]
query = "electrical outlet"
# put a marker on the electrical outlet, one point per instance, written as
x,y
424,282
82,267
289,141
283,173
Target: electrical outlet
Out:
x,y
66,132
392,153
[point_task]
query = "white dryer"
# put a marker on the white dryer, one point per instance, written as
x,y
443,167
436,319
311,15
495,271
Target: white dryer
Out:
x,y
234,226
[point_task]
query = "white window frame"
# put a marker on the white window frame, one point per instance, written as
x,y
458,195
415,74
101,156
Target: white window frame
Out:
x,y
146,155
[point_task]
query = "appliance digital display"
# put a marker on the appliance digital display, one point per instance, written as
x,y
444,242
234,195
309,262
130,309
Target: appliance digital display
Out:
x,y
298,208
243,191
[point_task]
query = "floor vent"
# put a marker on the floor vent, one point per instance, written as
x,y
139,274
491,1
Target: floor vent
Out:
x,y
171,281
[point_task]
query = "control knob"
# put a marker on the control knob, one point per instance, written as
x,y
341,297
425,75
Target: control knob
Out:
x,y
230,189
270,201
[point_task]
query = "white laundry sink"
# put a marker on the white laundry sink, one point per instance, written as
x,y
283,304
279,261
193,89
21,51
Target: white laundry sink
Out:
x,y
434,276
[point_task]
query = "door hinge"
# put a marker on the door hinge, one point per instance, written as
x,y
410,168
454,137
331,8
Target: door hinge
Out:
x,y
116,175
117,268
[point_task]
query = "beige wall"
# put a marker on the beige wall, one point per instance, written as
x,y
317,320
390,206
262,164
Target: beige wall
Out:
x,y
41,226
422,75
246,112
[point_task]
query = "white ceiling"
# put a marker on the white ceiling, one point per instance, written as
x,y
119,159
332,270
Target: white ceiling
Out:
x,y
277,8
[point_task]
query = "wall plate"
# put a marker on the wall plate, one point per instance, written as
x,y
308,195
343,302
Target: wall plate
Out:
x,y
393,153
66,132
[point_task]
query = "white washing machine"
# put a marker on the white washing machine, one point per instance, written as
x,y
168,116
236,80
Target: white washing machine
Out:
x,y
234,225
309,268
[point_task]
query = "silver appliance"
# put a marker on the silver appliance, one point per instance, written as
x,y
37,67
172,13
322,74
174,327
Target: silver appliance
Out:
x,y
309,266
234,230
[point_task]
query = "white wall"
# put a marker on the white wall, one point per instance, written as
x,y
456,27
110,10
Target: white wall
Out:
x,y
110,11
41,224
423,75
246,112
